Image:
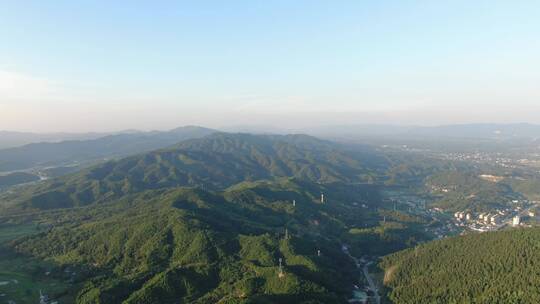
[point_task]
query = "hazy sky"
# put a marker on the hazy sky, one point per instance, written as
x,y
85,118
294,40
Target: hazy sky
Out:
x,y
110,65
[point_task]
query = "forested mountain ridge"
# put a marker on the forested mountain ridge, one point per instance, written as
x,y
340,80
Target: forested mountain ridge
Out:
x,y
215,162
11,139
56,153
195,246
493,267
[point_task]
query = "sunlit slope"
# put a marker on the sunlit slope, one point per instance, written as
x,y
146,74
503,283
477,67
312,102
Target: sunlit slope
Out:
x,y
495,267
214,162
195,246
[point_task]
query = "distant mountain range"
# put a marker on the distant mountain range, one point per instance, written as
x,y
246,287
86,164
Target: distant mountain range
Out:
x,y
65,152
465,131
58,158
10,139
55,150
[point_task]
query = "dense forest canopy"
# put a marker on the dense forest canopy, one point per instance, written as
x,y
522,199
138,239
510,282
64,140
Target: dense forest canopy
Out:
x,y
496,267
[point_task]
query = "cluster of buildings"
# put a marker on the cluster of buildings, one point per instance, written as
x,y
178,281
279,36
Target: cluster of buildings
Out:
x,y
462,216
491,220
482,157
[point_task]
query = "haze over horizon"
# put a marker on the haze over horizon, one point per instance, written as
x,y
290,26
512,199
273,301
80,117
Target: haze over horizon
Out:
x,y
102,66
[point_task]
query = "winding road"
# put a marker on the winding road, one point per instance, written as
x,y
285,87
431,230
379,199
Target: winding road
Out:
x,y
365,272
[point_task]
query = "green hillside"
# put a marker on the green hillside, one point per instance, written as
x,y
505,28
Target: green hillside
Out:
x,y
214,162
497,267
529,187
462,190
195,246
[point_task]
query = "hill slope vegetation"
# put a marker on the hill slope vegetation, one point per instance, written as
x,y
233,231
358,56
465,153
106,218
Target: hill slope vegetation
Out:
x,y
495,267
195,246
213,162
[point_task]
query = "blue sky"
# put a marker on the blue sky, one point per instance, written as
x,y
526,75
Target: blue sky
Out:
x,y
109,65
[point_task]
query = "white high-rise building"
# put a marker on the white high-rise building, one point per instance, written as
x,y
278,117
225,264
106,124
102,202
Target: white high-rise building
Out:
x,y
516,221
